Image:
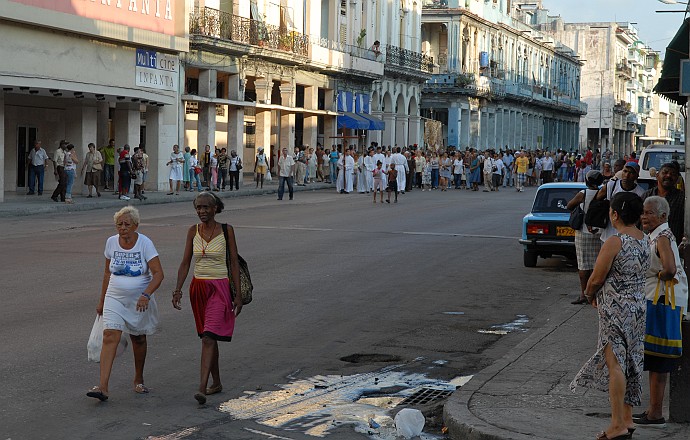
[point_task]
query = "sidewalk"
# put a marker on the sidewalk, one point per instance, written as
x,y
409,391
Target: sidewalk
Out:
x,y
16,205
526,394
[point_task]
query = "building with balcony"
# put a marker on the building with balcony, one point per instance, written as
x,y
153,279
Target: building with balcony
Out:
x,y
302,72
87,72
498,81
665,124
617,81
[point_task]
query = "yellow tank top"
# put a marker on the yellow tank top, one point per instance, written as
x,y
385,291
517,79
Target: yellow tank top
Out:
x,y
209,258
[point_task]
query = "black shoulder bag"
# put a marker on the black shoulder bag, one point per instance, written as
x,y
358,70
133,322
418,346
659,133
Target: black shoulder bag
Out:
x,y
246,286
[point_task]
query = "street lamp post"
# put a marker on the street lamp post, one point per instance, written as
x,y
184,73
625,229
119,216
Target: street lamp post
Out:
x,y
679,387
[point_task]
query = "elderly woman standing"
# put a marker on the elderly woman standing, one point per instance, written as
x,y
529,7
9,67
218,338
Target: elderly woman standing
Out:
x,y
587,241
616,289
93,164
665,266
132,274
209,293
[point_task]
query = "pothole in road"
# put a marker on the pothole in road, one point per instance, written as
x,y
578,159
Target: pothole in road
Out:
x,y
516,325
366,401
370,358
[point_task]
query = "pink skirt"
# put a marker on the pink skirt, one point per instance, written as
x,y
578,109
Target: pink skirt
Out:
x,y
212,307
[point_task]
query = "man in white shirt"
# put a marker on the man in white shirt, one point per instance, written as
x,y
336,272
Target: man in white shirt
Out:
x,y
498,170
458,170
37,163
369,165
508,160
488,172
59,170
345,166
286,171
401,165
547,164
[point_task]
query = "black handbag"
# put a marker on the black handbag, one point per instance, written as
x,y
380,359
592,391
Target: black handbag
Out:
x,y
577,218
598,214
246,286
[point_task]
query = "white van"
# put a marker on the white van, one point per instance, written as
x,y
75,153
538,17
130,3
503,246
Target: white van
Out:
x,y
654,156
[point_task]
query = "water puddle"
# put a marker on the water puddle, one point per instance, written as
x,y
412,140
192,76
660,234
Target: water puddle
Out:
x,y
503,329
316,405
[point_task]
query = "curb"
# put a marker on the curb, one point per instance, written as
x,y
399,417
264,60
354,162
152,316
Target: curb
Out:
x,y
462,423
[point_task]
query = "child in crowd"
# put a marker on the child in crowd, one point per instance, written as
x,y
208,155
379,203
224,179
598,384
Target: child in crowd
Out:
x,y
378,174
392,183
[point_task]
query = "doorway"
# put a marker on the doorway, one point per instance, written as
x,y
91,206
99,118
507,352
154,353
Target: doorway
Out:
x,y
26,137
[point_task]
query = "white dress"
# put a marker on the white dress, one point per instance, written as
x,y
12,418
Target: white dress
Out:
x,y
129,276
176,167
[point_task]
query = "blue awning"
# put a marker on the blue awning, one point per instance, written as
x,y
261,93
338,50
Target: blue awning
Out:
x,y
374,122
353,121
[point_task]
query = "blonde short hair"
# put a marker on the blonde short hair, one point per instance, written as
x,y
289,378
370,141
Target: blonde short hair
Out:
x,y
130,211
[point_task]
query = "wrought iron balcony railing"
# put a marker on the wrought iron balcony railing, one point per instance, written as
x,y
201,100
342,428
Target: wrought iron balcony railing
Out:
x,y
397,56
218,24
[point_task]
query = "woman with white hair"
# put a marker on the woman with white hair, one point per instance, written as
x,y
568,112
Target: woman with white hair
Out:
x,y
665,266
132,274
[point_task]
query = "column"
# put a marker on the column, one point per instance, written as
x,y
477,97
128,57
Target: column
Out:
x,y
161,135
263,117
465,128
373,135
475,122
206,129
127,125
102,118
2,146
287,118
330,123
401,127
236,137
311,102
492,129
81,128
414,130
389,130
500,135
454,125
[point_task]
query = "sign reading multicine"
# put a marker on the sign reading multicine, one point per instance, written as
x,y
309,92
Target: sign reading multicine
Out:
x,y
156,70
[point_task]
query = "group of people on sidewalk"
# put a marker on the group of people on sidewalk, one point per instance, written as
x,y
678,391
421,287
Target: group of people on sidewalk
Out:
x,y
131,279
630,270
209,170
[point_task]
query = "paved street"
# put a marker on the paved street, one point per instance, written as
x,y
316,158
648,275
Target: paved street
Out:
x,y
413,283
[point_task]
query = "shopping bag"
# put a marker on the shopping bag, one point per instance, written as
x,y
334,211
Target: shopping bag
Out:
x,y
663,336
95,343
268,177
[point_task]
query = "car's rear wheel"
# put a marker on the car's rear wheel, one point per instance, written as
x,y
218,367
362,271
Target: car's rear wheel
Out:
x,y
530,258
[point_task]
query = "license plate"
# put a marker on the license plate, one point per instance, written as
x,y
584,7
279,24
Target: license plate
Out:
x,y
565,231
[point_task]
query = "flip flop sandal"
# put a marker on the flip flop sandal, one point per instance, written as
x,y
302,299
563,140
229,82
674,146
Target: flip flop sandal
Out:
x,y
214,390
96,393
200,398
140,388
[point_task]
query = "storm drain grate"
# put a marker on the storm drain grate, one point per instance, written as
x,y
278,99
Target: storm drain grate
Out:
x,y
425,395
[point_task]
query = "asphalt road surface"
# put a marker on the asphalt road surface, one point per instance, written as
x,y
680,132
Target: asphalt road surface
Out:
x,y
417,285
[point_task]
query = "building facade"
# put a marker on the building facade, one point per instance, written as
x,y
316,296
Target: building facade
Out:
x,y
617,82
499,82
87,72
273,74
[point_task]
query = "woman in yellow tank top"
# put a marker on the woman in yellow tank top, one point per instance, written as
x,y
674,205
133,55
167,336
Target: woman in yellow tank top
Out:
x,y
209,292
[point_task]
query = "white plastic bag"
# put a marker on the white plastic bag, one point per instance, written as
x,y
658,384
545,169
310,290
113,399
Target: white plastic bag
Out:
x,y
409,422
93,347
268,177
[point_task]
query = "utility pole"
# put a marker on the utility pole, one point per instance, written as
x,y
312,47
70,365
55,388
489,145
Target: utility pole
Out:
x,y
601,104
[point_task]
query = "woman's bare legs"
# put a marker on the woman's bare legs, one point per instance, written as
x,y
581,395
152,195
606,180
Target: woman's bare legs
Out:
x,y
621,413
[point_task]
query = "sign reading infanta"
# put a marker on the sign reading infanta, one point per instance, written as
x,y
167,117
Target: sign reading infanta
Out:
x,y
156,70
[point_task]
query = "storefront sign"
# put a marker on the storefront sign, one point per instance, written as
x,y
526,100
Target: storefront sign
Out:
x,y
156,70
152,15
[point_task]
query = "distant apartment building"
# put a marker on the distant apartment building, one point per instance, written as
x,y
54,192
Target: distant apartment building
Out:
x,y
498,81
617,80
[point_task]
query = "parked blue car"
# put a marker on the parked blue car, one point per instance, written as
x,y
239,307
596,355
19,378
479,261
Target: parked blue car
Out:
x,y
545,230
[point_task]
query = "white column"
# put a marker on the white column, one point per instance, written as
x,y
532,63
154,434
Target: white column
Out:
x,y
2,146
161,135
374,135
401,124
81,129
206,129
287,118
389,131
311,102
127,125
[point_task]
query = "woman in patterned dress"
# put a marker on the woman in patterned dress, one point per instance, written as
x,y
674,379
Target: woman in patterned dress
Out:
x,y
616,289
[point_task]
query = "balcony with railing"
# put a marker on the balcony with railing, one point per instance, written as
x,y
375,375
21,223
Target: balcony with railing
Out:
x,y
397,57
624,70
225,26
